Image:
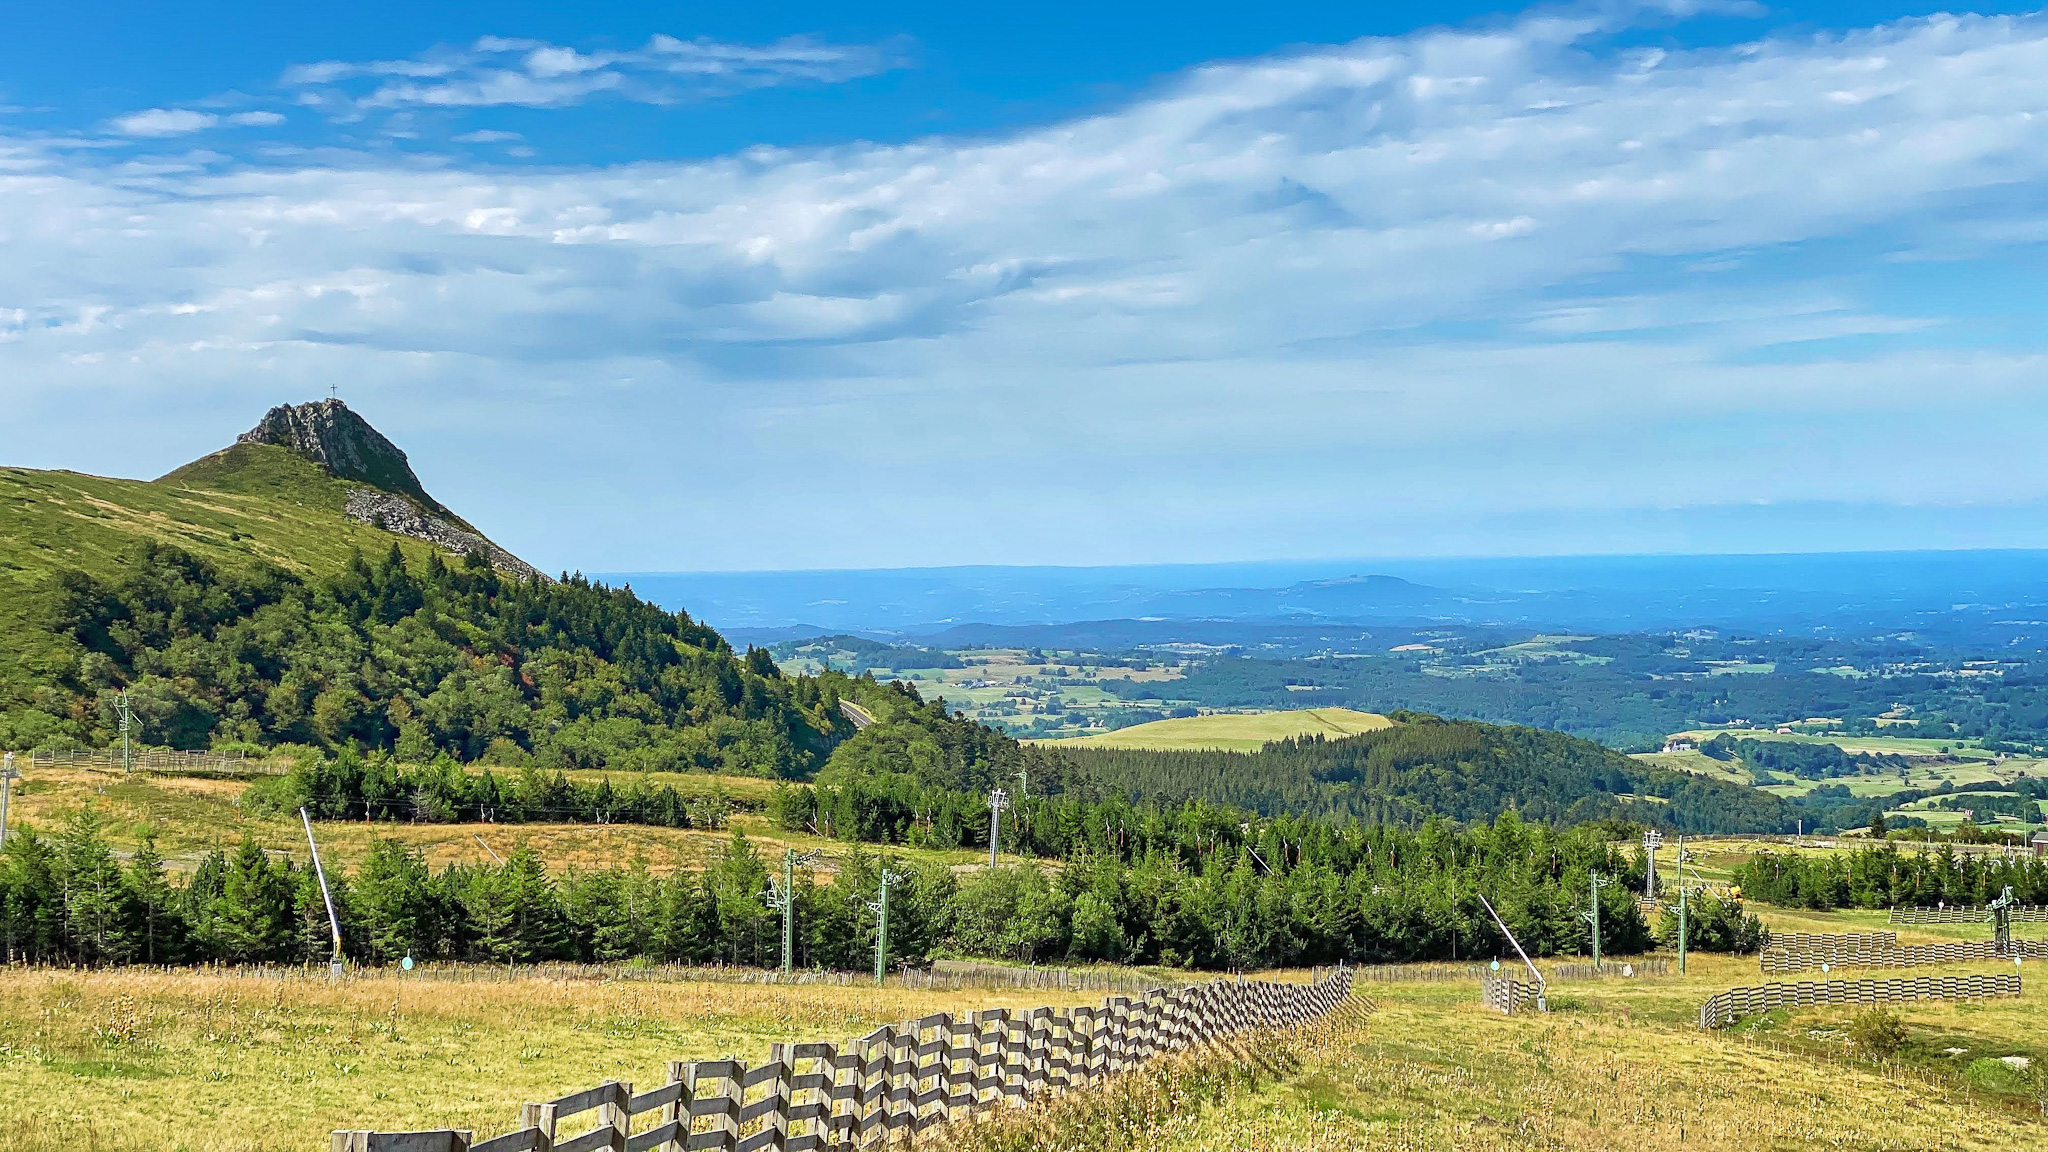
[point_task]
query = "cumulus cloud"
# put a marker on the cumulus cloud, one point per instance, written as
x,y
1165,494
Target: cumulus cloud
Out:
x,y
1384,297
530,73
163,122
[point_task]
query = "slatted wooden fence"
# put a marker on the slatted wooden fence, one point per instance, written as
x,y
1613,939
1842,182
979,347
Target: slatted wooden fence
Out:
x,y
958,974
1505,994
894,1082
1967,914
160,760
1729,1006
1805,958
1610,970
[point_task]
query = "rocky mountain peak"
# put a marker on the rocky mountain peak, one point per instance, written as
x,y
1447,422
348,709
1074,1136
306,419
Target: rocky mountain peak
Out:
x,y
344,444
328,433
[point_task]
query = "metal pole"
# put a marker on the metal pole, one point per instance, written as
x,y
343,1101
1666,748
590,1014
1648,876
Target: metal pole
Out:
x,y
882,933
881,910
1651,841
997,801
8,775
788,911
333,921
1681,905
127,718
1541,984
1596,921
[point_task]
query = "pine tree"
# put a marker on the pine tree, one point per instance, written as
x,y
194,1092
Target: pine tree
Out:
x,y
96,909
160,931
255,917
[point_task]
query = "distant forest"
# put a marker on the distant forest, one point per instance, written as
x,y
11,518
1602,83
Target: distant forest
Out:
x,y
857,654
1881,876
1617,702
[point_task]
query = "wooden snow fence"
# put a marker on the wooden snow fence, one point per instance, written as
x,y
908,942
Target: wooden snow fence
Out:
x,y
1867,952
1967,914
1729,1006
1505,994
893,1083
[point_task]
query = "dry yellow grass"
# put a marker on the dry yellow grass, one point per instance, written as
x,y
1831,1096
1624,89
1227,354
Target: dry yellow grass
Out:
x,y
1233,732
193,815
1614,1068
212,1062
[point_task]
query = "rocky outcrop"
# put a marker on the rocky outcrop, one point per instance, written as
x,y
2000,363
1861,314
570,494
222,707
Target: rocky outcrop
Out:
x,y
330,435
343,443
395,513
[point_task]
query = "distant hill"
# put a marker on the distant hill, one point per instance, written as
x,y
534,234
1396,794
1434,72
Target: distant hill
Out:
x,y
1232,732
1423,765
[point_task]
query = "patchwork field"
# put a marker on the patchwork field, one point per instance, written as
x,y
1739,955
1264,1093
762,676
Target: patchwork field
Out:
x,y
1234,732
1928,769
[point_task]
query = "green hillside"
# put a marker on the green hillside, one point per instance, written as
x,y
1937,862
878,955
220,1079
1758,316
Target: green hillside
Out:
x,y
251,504
236,601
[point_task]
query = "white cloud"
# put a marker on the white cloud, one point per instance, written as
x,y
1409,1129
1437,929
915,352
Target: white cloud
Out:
x,y
1373,298
163,122
498,71
487,136
257,119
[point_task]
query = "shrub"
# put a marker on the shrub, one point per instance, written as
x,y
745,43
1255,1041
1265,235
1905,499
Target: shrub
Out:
x,y
1880,1033
1992,1075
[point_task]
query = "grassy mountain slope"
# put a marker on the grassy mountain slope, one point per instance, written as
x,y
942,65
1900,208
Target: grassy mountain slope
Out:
x,y
251,503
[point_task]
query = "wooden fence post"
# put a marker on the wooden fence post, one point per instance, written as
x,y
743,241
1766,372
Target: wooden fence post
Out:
x,y
541,1116
677,1111
1037,1039
960,1050
612,1114
987,1058
777,1117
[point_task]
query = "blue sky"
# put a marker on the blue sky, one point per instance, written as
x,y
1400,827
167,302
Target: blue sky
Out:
x,y
661,287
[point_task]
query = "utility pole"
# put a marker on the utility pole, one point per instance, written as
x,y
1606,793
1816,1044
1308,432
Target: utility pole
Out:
x,y
8,775
1593,917
1023,784
997,801
333,922
127,720
784,901
1681,906
880,907
1652,840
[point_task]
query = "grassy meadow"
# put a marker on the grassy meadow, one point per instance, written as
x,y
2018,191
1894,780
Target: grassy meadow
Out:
x,y
212,1061
192,815
1233,731
157,1061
